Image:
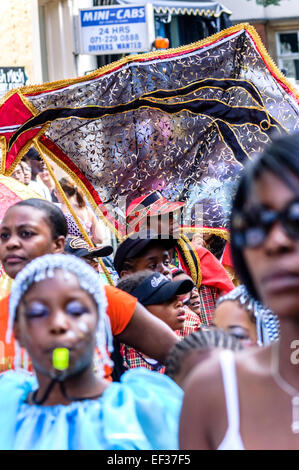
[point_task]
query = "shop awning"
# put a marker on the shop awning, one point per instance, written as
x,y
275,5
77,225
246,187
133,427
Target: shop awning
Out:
x,y
205,9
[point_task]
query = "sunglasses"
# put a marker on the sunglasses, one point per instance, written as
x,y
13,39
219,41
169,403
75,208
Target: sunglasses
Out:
x,y
252,228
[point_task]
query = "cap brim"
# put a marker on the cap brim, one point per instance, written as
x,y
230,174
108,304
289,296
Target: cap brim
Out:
x,y
99,253
169,290
96,253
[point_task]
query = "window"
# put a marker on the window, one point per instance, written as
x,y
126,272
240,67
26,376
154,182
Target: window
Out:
x,y
288,54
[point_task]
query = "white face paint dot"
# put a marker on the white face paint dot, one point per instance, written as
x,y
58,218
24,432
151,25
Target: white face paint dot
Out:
x,y
83,327
70,334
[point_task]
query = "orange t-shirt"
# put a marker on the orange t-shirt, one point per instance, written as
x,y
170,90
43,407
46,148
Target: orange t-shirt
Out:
x,y
121,306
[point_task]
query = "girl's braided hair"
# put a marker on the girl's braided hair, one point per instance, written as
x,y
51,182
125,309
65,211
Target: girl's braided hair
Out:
x,y
205,339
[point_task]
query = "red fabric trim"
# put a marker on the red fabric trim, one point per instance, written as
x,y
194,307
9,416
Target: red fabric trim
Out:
x,y
283,85
212,272
22,140
13,112
227,256
58,152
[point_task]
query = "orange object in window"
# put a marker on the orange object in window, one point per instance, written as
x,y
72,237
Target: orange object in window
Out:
x,y
161,43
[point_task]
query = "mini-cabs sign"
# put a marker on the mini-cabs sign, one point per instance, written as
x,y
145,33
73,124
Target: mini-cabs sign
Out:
x,y
12,77
116,29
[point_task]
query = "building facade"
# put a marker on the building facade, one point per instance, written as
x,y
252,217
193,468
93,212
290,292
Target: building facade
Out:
x,y
181,22
278,27
16,35
40,35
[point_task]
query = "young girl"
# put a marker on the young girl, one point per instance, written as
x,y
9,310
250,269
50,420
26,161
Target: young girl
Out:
x,y
251,400
245,318
67,405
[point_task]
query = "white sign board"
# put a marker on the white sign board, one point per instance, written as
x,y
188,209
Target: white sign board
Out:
x,y
11,77
116,29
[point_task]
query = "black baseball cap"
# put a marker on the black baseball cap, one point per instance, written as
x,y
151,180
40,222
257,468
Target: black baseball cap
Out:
x,y
79,247
157,289
135,245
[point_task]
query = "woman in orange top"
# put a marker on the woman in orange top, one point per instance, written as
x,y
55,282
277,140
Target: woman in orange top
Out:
x,y
34,227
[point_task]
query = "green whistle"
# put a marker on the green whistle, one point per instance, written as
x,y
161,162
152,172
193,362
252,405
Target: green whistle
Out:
x,y
60,358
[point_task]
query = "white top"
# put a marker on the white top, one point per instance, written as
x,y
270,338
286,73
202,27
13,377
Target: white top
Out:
x,y
232,439
40,188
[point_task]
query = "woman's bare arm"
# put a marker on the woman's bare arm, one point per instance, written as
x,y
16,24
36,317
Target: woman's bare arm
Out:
x,y
148,334
96,228
203,415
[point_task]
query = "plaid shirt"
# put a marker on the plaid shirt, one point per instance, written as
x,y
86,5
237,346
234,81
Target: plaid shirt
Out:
x,y
133,358
192,323
208,297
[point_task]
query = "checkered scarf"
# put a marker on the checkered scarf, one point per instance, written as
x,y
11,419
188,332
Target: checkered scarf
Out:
x,y
133,358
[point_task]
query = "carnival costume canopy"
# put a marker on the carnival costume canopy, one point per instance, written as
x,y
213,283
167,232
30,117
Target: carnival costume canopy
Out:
x,y
11,192
181,121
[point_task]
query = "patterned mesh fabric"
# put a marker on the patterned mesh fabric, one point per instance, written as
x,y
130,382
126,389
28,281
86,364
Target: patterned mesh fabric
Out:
x,y
182,121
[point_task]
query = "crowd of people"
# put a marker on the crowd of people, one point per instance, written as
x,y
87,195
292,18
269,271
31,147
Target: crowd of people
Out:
x,y
175,355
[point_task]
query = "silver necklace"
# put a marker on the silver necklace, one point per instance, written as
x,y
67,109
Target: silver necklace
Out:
x,y
285,386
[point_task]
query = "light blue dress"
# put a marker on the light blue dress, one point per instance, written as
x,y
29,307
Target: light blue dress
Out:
x,y
141,412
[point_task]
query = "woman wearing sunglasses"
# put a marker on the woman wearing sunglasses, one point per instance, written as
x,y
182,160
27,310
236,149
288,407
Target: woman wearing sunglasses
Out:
x,y
251,400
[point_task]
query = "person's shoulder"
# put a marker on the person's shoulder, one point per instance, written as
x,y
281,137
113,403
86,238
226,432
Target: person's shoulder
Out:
x,y
207,373
192,322
249,362
4,301
117,294
13,382
253,361
90,212
204,402
141,385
